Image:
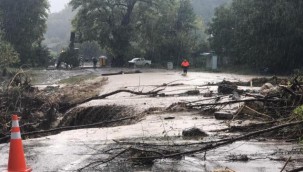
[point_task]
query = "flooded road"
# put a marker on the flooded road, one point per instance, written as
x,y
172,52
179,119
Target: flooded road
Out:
x,y
71,150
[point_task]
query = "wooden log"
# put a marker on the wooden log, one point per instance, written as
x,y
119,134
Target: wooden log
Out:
x,y
220,115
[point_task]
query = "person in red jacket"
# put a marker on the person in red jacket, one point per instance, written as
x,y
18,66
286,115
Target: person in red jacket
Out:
x,y
185,65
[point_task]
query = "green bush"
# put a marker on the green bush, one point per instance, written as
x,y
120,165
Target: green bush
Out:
x,y
299,112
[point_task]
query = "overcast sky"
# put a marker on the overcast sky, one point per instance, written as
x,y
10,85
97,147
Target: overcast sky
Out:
x,y
57,5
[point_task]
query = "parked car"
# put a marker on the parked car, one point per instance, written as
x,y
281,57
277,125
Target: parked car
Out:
x,y
139,62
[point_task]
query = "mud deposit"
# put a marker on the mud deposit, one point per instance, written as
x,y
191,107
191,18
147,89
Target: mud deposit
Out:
x,y
90,115
142,143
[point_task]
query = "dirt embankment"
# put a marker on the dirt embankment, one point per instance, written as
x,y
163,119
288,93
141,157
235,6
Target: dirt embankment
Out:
x,y
42,109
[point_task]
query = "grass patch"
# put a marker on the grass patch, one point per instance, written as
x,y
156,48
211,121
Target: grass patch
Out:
x,y
299,112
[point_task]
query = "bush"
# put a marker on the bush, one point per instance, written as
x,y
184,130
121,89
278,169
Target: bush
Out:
x,y
299,112
8,56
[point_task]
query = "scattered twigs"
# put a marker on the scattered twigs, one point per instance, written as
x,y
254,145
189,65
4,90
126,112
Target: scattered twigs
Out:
x,y
227,141
14,77
104,161
147,151
258,113
207,145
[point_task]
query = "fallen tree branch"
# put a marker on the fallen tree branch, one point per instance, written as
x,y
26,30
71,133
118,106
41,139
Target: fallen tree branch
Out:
x,y
103,96
296,170
121,72
126,91
104,161
144,150
287,90
285,164
69,128
237,113
227,141
258,113
236,101
161,145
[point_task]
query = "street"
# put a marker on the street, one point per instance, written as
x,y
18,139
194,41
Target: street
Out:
x,y
72,150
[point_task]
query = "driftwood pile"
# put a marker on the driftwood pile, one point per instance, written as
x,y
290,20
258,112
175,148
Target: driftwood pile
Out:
x,y
274,104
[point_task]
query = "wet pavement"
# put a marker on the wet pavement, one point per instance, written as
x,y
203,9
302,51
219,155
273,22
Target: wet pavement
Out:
x,y
262,157
71,150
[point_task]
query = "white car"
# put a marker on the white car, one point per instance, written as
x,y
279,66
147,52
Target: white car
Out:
x,y
139,62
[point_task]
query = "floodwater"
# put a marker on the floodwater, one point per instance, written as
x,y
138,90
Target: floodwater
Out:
x,y
71,150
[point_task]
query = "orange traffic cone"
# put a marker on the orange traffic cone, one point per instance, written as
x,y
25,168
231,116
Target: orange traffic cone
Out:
x,y
16,161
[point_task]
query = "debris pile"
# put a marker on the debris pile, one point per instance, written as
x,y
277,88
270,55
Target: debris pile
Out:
x,y
275,110
39,109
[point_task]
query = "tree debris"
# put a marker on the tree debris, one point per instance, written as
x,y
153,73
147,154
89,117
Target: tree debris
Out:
x,y
193,133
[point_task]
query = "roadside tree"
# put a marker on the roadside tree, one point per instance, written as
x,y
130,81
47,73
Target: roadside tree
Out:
x,y
156,29
8,56
252,35
23,25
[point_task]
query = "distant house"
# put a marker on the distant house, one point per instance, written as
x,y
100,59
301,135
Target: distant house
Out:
x,y
211,60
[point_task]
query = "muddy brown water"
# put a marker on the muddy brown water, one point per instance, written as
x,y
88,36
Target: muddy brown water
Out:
x,y
71,150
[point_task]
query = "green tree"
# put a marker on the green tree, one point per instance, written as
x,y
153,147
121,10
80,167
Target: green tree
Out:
x,y
222,32
41,56
172,31
8,56
159,30
90,49
110,23
206,8
23,24
252,35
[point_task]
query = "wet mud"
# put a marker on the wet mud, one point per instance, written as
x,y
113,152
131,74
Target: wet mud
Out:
x,y
159,120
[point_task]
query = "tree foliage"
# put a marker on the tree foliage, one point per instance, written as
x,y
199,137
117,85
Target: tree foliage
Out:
x,y
89,49
8,55
260,34
155,29
59,26
173,34
23,24
206,8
